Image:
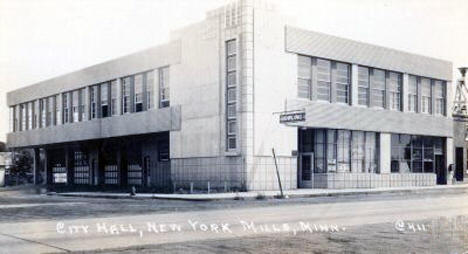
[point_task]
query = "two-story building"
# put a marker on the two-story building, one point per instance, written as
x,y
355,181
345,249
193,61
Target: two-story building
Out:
x,y
200,110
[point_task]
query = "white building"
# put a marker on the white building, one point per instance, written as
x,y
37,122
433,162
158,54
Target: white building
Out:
x,y
201,109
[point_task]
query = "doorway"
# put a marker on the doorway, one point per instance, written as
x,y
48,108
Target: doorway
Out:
x,y
459,164
306,166
440,169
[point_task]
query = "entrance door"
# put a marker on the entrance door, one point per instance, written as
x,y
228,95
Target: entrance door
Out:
x,y
440,169
306,165
459,163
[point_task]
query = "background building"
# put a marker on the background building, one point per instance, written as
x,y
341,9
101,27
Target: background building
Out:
x,y
460,128
199,111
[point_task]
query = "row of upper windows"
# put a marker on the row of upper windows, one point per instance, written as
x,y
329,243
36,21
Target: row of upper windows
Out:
x,y
326,80
99,101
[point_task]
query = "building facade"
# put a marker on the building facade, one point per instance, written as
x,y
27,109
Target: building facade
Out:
x,y
200,112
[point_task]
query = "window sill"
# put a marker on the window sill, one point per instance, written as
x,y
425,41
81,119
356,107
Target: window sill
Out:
x,y
231,153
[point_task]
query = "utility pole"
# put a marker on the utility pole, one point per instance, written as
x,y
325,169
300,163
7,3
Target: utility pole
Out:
x,y
277,173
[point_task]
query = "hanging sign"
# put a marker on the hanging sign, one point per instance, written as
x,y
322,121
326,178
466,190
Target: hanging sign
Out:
x,y
292,117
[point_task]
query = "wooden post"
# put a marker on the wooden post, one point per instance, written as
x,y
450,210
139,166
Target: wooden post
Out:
x,y
277,172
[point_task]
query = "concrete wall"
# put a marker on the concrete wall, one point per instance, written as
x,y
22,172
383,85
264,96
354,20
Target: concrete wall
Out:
x,y
195,85
365,180
340,116
219,172
156,120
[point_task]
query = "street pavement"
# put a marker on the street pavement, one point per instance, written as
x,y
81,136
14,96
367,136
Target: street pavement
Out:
x,y
96,224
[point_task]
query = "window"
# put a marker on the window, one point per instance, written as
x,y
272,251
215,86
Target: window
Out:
x,y
363,86
12,119
43,109
414,154
320,151
114,97
16,118
23,117
30,115
358,152
323,79
149,89
304,77
378,88
426,97
82,104
439,93
331,150
413,94
372,149
50,110
126,87
231,95
342,151
58,115
104,100
342,81
163,151
93,98
66,112
394,87
75,106
138,97
164,91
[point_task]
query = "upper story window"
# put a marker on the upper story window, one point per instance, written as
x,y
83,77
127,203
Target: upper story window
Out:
x,y
426,96
75,106
412,93
394,88
105,100
363,86
149,89
304,77
50,111
440,97
93,98
114,97
378,88
23,117
164,90
343,81
82,103
12,119
43,109
323,79
321,76
66,110
58,115
126,86
138,97
30,111
231,95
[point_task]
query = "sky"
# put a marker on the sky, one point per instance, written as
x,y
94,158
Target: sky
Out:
x,y
41,39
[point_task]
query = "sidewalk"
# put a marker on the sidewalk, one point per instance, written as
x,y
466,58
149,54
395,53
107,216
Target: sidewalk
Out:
x,y
298,193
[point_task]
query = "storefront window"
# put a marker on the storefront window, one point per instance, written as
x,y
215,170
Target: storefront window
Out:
x,y
415,154
341,151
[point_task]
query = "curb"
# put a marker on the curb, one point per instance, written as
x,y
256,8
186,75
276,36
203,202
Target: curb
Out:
x,y
254,195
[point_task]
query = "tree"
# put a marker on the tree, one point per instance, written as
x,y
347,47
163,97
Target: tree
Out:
x,y
22,161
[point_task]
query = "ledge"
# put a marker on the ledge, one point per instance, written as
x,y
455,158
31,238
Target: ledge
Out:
x,y
152,121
